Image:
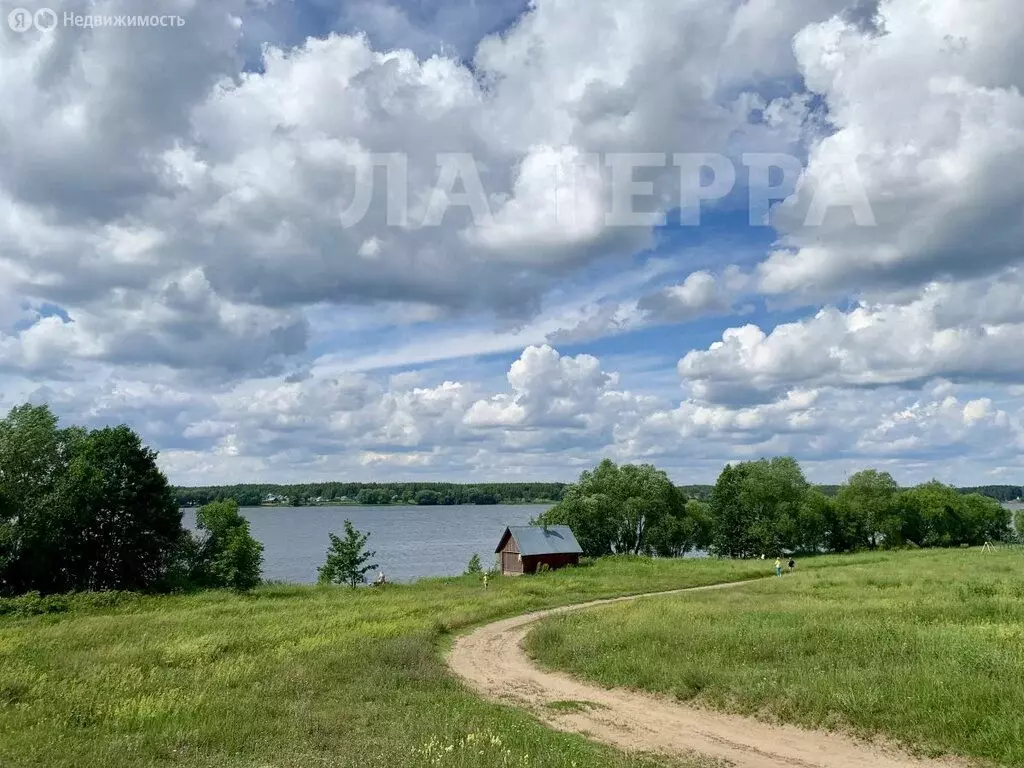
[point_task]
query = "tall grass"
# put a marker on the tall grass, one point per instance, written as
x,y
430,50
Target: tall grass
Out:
x,y
926,648
290,677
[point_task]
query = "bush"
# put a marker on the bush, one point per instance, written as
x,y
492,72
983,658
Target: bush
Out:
x,y
347,559
474,568
228,557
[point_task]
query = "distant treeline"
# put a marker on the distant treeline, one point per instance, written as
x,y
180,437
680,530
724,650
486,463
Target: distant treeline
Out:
x,y
767,508
429,494
998,492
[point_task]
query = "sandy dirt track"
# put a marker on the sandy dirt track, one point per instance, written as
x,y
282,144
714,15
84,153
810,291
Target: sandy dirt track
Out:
x,y
491,661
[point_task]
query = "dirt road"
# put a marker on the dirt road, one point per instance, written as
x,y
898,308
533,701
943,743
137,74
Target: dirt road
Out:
x,y
492,662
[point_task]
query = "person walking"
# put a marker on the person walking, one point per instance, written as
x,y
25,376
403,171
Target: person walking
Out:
x,y
792,565
778,567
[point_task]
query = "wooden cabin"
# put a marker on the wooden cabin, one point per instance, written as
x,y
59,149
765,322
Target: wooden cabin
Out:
x,y
523,548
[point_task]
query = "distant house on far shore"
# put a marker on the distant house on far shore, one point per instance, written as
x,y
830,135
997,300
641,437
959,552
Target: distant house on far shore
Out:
x,y
523,548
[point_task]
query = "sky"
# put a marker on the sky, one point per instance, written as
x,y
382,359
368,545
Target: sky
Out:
x,y
301,240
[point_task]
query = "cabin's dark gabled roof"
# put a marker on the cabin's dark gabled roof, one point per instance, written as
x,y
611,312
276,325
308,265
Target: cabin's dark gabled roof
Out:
x,y
537,540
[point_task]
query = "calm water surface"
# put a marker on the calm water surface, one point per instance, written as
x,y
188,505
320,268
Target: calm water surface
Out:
x,y
410,542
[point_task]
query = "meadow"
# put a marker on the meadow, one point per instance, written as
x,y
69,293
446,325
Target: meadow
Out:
x,y
291,677
922,648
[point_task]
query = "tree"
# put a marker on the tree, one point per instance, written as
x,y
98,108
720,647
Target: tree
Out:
x,y
81,510
812,521
130,523
674,535
36,525
1018,523
867,505
984,519
937,515
729,535
756,507
184,568
474,568
373,496
229,557
628,509
428,498
347,560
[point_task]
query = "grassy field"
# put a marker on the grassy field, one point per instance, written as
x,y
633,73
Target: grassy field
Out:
x,y
292,677
926,648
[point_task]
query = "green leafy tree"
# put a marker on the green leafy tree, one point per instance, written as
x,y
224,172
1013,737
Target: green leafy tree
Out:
x,y
37,523
229,557
347,559
845,531
729,520
673,535
984,519
1018,523
812,521
867,505
184,569
428,498
628,509
700,512
756,508
474,568
374,496
479,496
774,490
935,508
937,515
81,510
129,525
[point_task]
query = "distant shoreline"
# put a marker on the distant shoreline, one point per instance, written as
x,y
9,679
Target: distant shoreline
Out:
x,y
534,502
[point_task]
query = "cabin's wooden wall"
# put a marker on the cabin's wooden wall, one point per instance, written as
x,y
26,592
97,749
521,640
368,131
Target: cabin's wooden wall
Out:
x,y
510,562
555,561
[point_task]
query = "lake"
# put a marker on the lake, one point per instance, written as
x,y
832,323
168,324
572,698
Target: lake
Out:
x,y
410,542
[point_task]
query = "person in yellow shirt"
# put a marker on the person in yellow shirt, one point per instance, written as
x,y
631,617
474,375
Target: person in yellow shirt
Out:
x,y
778,567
